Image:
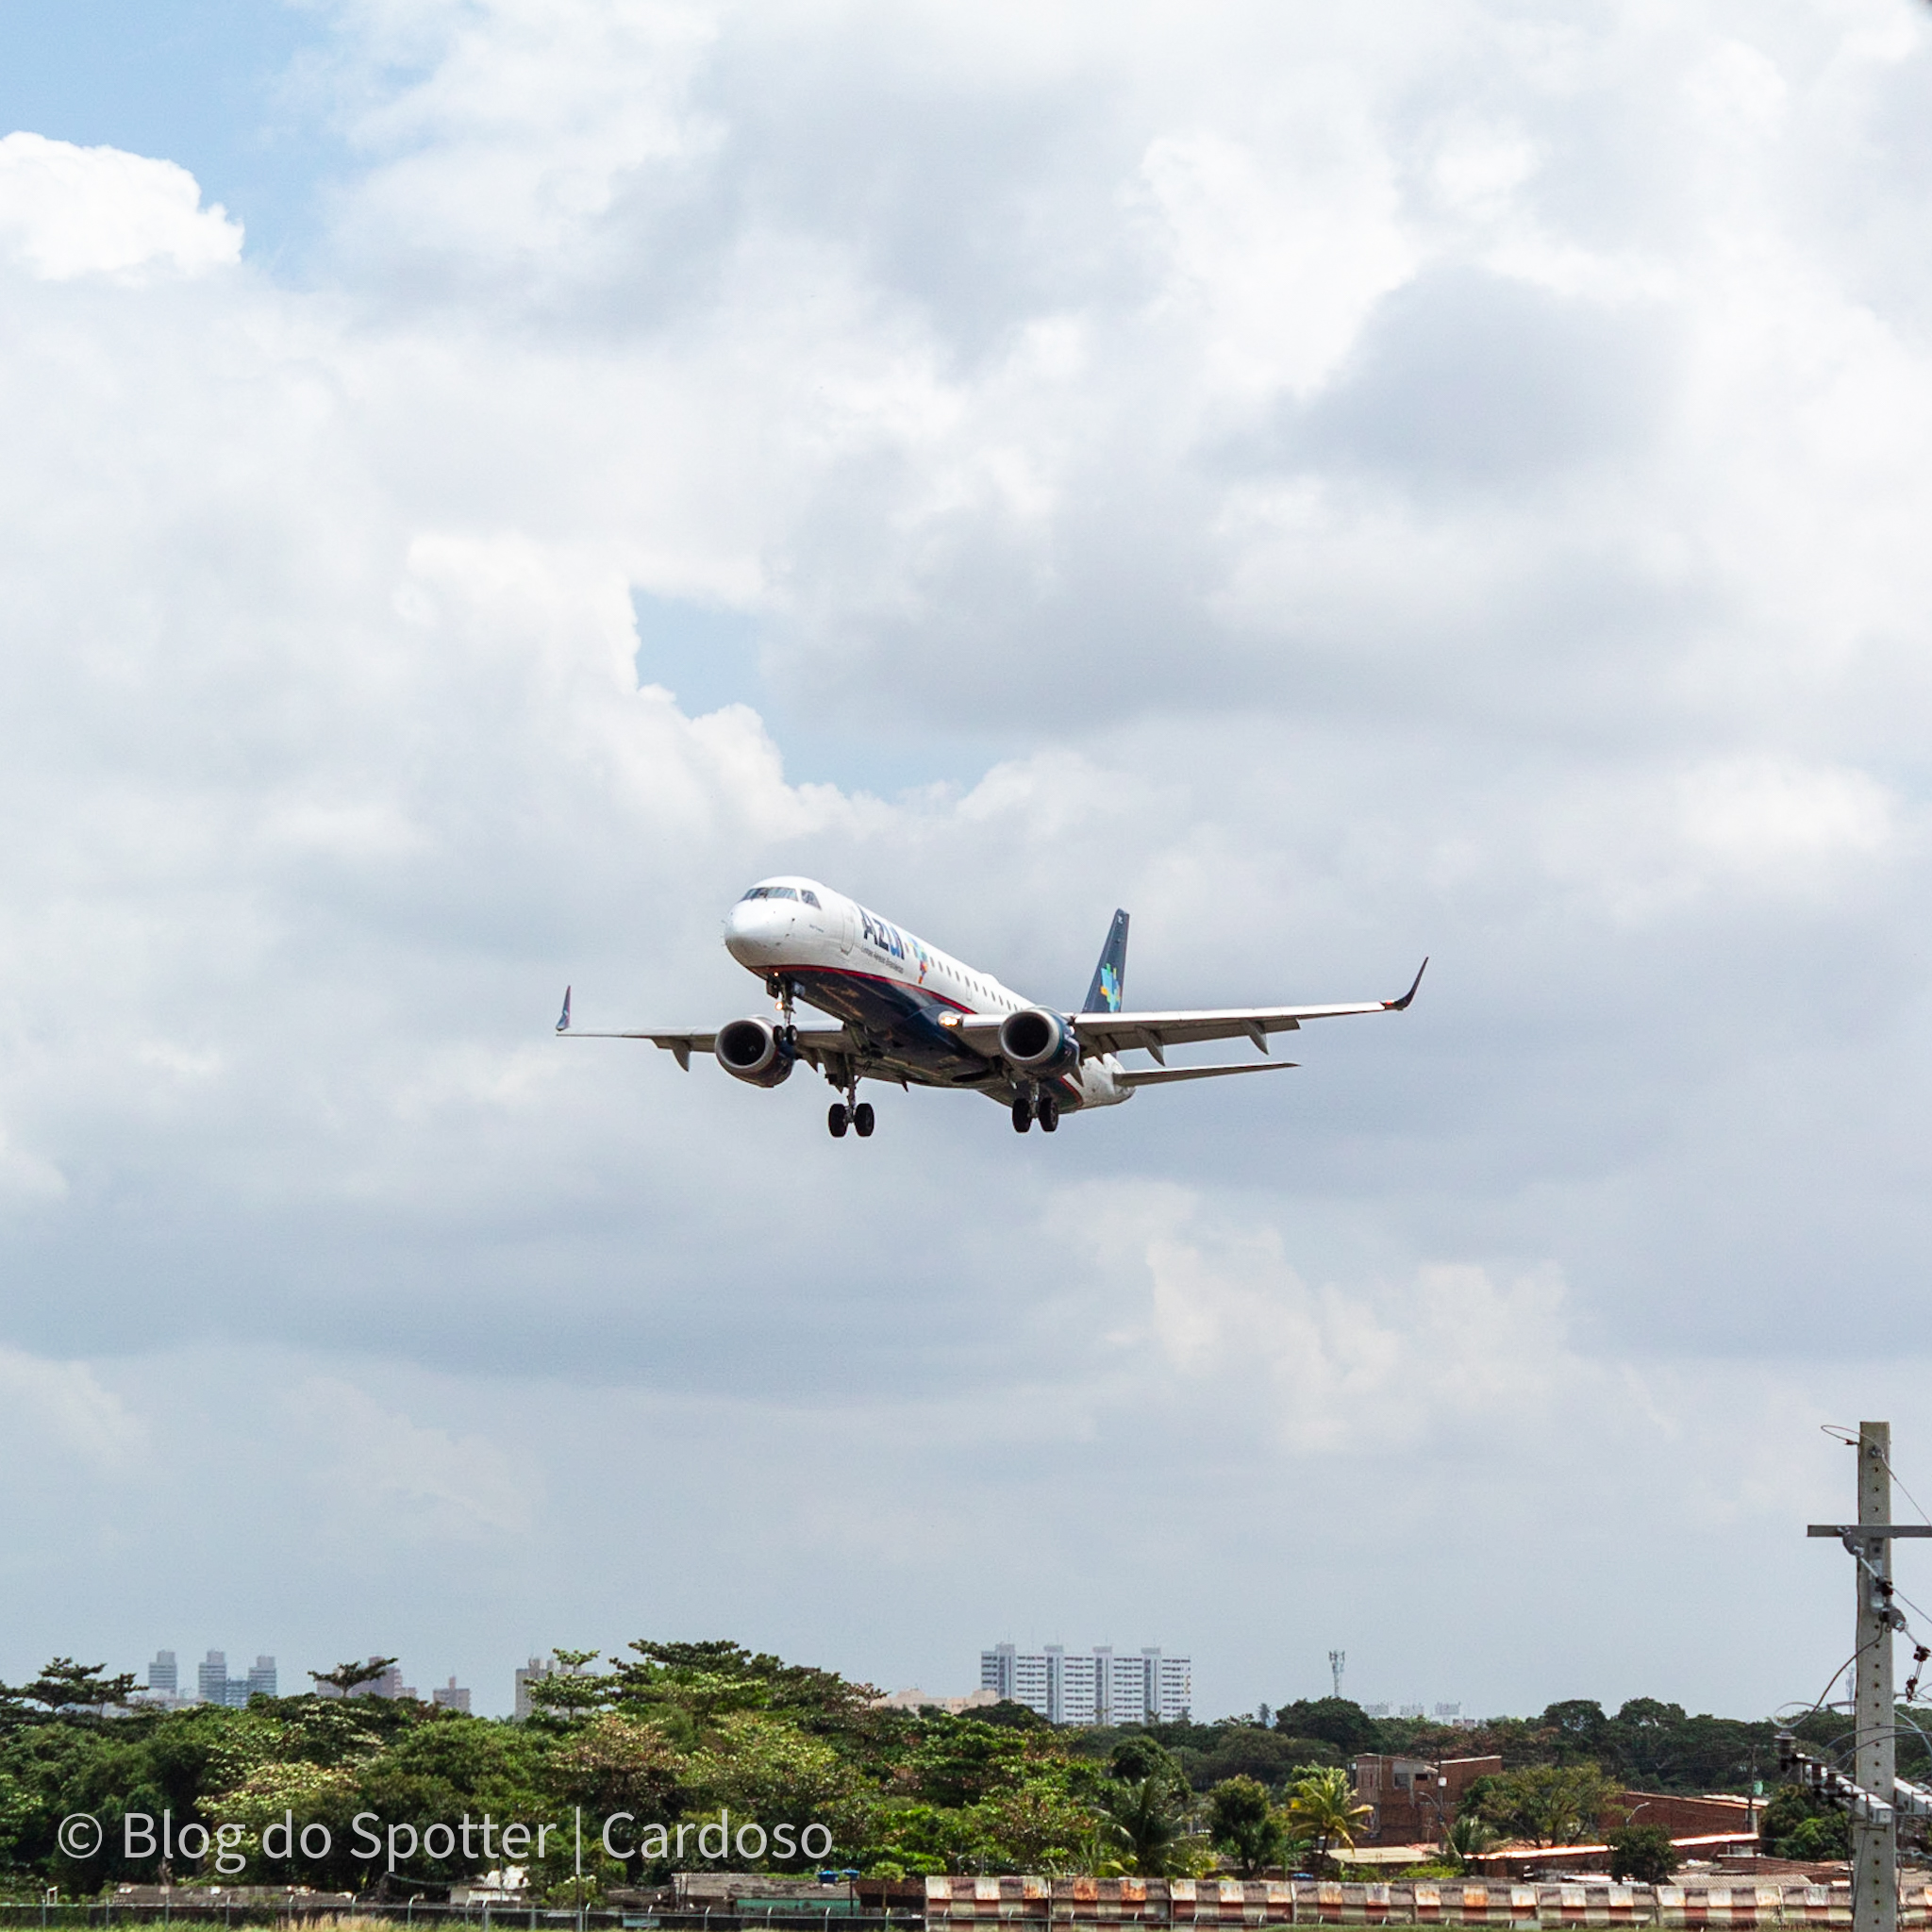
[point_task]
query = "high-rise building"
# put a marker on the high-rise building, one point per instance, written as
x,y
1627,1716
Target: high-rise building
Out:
x,y
1092,1687
532,1673
1170,1686
162,1677
211,1677
450,1696
389,1684
261,1679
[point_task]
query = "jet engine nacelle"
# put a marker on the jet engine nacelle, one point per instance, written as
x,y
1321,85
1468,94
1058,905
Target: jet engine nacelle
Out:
x,y
1038,1041
755,1050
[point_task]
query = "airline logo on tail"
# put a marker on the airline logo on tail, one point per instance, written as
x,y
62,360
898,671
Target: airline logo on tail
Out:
x,y
1109,976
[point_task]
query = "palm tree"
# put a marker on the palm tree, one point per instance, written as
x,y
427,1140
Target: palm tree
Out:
x,y
1150,1821
1148,1805
1322,1805
1469,1837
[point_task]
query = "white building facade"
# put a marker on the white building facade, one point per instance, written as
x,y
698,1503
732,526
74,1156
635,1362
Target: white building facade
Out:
x,y
1094,1687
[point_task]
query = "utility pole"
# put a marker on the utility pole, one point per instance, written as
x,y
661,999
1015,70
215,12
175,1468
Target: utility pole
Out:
x,y
1336,1658
1873,1794
1874,1845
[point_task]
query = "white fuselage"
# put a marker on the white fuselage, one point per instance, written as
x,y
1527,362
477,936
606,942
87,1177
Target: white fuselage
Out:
x,y
893,989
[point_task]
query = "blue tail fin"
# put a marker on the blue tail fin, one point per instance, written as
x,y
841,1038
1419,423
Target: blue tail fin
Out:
x,y
1103,995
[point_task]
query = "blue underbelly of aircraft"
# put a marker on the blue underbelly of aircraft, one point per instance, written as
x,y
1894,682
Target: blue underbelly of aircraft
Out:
x,y
901,1023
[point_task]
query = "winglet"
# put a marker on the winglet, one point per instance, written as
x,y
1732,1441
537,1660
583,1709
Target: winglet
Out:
x,y
563,1020
1402,1005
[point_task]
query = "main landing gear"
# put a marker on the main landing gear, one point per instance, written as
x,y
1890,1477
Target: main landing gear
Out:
x,y
859,1119
1028,1108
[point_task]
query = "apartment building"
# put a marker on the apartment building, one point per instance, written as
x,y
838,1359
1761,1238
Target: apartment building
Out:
x,y
1092,1687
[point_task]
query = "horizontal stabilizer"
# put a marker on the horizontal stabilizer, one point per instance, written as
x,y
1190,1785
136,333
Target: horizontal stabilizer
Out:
x,y
1156,1077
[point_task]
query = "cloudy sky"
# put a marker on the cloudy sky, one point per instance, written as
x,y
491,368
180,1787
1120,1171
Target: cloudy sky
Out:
x,y
483,480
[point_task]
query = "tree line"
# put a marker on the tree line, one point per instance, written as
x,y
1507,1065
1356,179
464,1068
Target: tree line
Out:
x,y
670,1734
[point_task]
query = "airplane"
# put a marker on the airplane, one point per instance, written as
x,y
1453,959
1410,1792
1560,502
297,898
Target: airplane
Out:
x,y
910,1012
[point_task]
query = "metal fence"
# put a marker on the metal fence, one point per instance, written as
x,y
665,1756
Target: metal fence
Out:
x,y
103,1914
1049,1904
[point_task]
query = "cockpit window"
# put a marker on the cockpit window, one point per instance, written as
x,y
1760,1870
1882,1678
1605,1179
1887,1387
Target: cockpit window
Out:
x,y
810,899
773,893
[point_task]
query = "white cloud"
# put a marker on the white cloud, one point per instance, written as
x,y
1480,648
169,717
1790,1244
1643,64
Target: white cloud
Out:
x,y
1285,254
1366,1371
383,1476
62,1405
1762,816
1340,487
67,212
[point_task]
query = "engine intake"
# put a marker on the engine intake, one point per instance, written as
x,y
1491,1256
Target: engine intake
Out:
x,y
755,1051
1038,1041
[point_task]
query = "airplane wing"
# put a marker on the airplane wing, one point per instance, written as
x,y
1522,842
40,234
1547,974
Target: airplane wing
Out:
x,y
1105,1032
815,1042
1156,1077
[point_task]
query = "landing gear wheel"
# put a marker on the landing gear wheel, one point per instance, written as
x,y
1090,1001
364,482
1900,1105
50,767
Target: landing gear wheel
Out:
x,y
1049,1113
1023,1113
839,1120
862,1119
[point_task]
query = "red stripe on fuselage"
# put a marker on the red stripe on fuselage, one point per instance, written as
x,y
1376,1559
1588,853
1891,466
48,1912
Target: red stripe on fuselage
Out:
x,y
874,979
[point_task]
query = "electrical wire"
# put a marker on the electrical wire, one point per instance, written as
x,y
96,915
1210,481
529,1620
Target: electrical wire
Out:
x,y
1920,1653
1909,1497
1819,1703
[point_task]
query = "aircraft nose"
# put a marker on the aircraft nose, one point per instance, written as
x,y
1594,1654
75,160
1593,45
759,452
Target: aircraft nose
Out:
x,y
752,929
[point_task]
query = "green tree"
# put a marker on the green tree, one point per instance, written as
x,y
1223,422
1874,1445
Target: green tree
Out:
x,y
964,1760
328,1794
1468,1837
1323,1809
618,1763
1576,1727
760,1767
1547,1804
1147,1802
1337,1720
1242,1820
348,1677
912,1839
66,1688
1231,1750
571,1694
1798,1824
1039,1827
1642,1853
